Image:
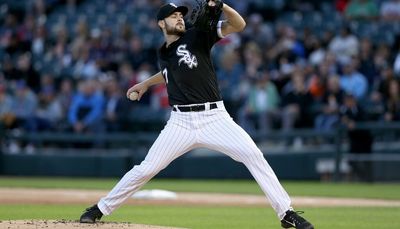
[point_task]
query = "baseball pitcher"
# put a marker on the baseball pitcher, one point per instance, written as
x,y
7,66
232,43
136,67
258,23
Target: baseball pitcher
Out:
x,y
198,117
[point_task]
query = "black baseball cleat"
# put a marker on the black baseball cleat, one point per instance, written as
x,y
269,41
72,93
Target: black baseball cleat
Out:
x,y
91,214
292,219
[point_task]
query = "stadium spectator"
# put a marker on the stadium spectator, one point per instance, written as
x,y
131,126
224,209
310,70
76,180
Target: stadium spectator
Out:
x,y
27,73
379,92
252,62
353,82
38,45
7,116
24,105
125,34
350,112
316,83
142,74
86,110
9,71
296,103
9,40
385,77
331,63
258,31
39,7
317,52
59,53
364,10
390,10
126,75
253,58
86,67
392,106
137,55
25,32
64,98
101,46
287,44
230,74
382,56
328,117
261,109
366,61
48,113
344,46
374,106
117,107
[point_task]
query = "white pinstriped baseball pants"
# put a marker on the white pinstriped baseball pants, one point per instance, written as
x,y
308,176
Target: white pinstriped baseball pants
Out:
x,y
184,131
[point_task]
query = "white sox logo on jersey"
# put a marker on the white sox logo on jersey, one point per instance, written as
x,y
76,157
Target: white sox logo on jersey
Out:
x,y
189,59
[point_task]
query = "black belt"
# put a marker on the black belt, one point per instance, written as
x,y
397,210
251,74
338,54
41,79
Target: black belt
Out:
x,y
201,107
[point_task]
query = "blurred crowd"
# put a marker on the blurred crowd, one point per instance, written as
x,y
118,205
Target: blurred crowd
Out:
x,y
65,65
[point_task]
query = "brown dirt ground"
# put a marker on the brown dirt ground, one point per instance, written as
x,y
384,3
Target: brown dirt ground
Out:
x,y
65,224
89,197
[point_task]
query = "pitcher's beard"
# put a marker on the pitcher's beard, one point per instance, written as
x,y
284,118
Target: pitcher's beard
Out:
x,y
174,30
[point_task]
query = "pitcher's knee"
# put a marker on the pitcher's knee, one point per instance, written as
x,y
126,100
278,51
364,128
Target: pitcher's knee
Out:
x,y
143,172
252,156
148,174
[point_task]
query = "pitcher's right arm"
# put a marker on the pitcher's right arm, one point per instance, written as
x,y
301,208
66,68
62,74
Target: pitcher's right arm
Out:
x,y
142,87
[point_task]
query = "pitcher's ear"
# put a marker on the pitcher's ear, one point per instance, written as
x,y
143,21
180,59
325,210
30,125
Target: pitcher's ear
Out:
x,y
161,24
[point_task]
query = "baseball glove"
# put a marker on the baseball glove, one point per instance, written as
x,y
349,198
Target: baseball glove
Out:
x,y
205,17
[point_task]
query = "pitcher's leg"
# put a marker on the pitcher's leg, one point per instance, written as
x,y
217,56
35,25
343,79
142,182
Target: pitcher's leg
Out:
x,y
170,144
228,137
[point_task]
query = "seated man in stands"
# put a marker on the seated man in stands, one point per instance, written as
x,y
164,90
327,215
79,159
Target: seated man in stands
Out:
x,y
86,110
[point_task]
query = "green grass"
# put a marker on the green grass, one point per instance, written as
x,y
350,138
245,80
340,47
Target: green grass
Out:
x,y
354,190
215,217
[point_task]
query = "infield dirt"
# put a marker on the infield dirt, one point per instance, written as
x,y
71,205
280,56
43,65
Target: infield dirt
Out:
x,y
65,224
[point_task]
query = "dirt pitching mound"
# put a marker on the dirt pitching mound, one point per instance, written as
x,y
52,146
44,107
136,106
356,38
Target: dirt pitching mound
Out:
x,y
66,224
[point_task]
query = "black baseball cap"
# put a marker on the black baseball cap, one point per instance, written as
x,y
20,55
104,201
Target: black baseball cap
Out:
x,y
169,9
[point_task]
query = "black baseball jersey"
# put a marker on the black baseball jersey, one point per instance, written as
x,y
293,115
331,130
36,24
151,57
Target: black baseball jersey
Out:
x,y
187,68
